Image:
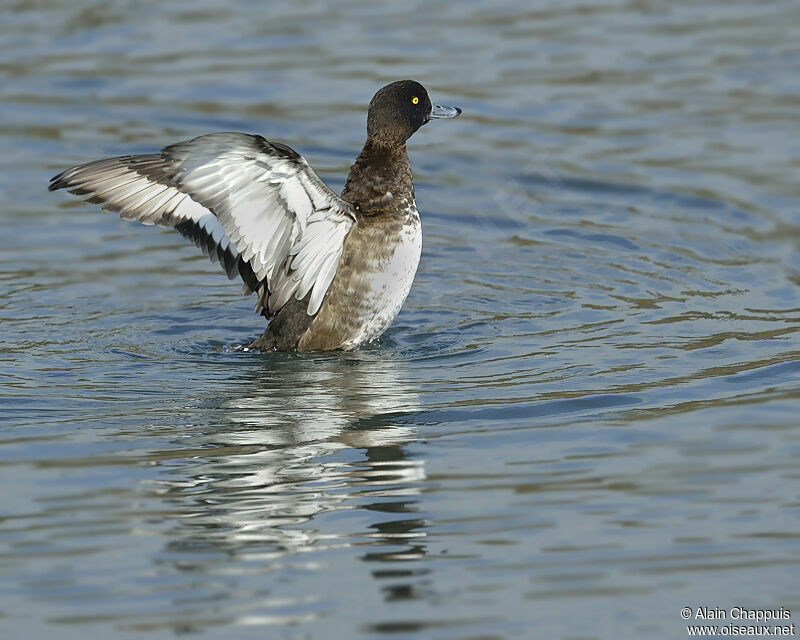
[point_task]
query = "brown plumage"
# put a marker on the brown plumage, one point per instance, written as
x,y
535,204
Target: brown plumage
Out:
x,y
329,272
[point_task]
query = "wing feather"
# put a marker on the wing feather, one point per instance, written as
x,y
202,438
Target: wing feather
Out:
x,y
253,205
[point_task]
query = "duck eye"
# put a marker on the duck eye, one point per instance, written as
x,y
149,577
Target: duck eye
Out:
x,y
415,100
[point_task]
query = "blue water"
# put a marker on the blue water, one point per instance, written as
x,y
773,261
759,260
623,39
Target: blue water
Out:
x,y
584,418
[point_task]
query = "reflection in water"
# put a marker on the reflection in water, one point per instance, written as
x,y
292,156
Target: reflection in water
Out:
x,y
288,454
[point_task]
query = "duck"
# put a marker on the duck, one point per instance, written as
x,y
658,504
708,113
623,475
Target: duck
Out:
x,y
329,272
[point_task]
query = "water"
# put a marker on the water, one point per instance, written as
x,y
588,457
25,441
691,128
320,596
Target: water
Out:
x,y
585,417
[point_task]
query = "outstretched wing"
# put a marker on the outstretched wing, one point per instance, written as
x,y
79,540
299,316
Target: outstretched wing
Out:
x,y
254,205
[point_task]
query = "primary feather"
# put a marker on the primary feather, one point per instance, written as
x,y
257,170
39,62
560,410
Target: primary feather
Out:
x,y
255,206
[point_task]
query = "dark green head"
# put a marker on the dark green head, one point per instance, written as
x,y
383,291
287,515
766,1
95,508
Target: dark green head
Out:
x,y
399,109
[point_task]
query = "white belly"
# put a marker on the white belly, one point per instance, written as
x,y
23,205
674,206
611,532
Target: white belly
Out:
x,y
390,283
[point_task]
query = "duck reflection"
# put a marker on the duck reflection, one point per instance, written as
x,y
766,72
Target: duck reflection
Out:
x,y
303,436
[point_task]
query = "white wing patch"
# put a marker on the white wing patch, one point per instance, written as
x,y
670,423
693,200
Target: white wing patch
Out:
x,y
242,199
312,263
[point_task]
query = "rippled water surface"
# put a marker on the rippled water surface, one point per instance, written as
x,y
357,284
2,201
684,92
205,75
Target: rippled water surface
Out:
x,y
584,418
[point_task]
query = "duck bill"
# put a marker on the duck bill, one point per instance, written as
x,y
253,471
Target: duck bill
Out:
x,y
440,111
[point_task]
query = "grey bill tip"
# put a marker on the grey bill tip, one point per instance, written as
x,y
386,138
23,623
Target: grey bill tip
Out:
x,y
440,111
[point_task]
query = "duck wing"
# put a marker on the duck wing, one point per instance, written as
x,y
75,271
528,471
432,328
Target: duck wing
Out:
x,y
255,206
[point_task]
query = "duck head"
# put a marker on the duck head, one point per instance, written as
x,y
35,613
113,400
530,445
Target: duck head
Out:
x,y
399,109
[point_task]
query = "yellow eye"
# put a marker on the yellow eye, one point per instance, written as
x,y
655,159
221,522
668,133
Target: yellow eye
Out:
x,y
415,100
